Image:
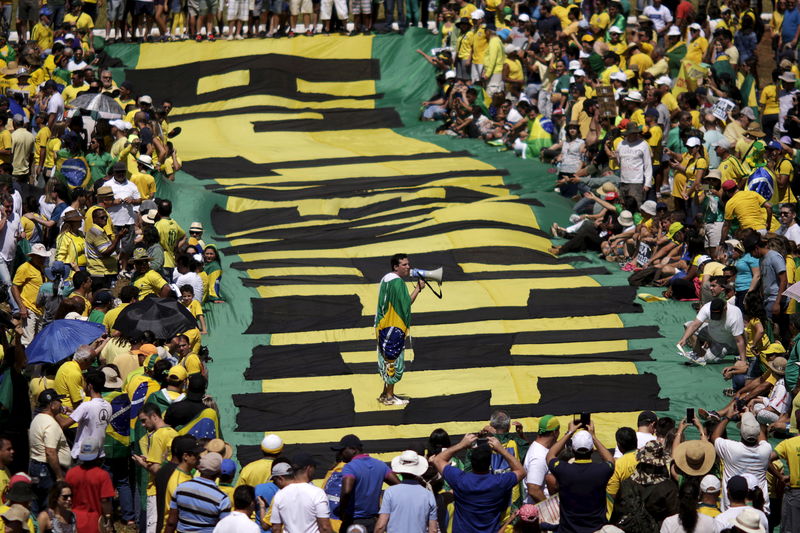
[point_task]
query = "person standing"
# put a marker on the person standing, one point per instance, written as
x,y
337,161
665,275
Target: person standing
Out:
x,y
536,459
392,324
198,504
408,507
92,490
635,164
25,288
92,415
123,210
22,142
789,452
50,453
299,505
238,521
171,235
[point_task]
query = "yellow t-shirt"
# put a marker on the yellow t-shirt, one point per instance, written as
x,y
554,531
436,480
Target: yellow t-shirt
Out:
x,y
731,169
785,196
5,144
696,49
669,100
256,472
170,233
642,61
656,134
178,476
514,69
53,146
195,308
563,15
155,448
769,99
70,92
69,382
192,364
5,475
466,11
708,510
111,316
71,248
746,207
145,183
479,45
623,468
28,280
149,283
789,451
465,46
601,21
43,35
41,140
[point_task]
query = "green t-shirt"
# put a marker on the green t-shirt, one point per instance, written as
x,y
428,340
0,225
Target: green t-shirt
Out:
x,y
96,316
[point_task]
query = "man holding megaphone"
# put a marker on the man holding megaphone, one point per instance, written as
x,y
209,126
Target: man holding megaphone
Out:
x,y
392,323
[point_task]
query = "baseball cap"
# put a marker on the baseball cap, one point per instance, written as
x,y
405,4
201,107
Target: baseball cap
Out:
x,y
89,450
548,423
102,298
145,349
775,145
728,185
49,395
178,372
227,467
524,17
614,29
749,427
710,483
582,441
695,26
210,463
348,441
611,196
717,307
723,142
281,469
145,99
272,444
664,80
693,141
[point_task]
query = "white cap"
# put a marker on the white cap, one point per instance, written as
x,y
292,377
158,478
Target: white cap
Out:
x,y
450,74
584,55
510,49
574,65
695,26
619,75
614,29
693,141
634,96
582,441
477,14
579,72
272,444
664,80
524,17
710,483
674,30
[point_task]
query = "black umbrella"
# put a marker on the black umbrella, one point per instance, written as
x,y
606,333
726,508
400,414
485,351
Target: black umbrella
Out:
x,y
165,317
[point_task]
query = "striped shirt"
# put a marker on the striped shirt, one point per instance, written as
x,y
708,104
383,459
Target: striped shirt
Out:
x,y
200,504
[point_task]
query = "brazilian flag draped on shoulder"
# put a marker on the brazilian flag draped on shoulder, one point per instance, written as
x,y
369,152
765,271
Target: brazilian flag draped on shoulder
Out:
x,y
747,89
674,56
204,426
393,317
118,431
540,136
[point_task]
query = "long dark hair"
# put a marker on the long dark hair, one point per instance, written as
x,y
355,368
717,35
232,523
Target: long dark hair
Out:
x,y
687,504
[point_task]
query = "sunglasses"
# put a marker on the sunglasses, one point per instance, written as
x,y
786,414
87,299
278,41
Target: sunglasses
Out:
x,y
66,496
785,214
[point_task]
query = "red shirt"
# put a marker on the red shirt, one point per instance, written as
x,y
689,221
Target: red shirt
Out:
x,y
684,10
89,486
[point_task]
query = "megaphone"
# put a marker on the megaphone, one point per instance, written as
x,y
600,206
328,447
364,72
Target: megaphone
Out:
x,y
429,275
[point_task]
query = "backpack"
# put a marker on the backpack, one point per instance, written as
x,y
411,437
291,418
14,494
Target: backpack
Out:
x,y
635,517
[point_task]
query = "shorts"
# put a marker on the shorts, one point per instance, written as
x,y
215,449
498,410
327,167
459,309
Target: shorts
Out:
x,y
495,84
296,7
325,9
175,6
258,8
202,7
278,6
463,70
361,7
477,72
238,10
144,8
28,11
126,243
115,9
713,234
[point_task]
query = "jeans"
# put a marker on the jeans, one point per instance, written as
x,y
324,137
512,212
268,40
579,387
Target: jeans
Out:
x,y
412,10
389,6
433,112
119,468
753,371
42,479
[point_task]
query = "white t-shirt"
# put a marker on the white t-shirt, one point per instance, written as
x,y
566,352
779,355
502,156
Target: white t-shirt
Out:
x,y
723,331
8,238
536,466
45,209
297,507
672,524
661,16
740,459
190,278
727,518
792,232
55,104
17,197
236,522
779,398
641,439
123,214
92,417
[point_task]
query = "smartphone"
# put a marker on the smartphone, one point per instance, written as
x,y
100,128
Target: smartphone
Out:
x,y
690,415
586,419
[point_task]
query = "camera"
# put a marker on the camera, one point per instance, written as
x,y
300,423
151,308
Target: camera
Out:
x,y
204,356
483,439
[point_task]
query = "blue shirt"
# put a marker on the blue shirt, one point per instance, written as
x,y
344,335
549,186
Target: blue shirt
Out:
x,y
266,491
410,507
200,504
369,474
480,499
582,494
791,20
744,272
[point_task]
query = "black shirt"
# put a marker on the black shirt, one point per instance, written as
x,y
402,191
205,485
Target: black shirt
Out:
x,y
182,412
582,493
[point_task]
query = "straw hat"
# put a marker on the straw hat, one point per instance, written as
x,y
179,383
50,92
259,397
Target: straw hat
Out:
x,y
694,457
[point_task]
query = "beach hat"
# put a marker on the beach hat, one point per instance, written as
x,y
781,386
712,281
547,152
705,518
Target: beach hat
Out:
x,y
788,77
736,243
634,96
777,365
713,174
72,216
39,249
410,462
754,130
749,521
113,380
652,454
607,187
694,457
649,207
674,31
150,216
271,444
221,447
105,190
17,513
695,26
582,441
625,219
145,160
140,254
632,128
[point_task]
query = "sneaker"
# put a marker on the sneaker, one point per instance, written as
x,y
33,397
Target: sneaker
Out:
x,y
309,33
394,400
211,37
290,34
198,38
229,37
239,37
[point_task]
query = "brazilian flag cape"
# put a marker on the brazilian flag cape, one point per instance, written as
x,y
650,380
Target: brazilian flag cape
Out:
x,y
748,91
675,55
393,317
540,136
118,430
204,426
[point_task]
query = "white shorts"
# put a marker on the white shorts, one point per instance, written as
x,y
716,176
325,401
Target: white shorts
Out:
x,y
152,514
477,72
297,7
325,9
713,234
238,10
495,84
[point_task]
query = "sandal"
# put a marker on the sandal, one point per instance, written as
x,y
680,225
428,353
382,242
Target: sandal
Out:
x,y
730,393
705,415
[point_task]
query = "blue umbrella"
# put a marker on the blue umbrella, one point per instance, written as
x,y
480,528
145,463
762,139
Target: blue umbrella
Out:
x,y
59,339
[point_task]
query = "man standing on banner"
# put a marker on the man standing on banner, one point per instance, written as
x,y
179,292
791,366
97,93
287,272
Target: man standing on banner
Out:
x,y
392,323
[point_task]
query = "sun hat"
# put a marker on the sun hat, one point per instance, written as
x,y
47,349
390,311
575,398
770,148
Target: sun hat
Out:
x,y
788,77
736,243
649,207
410,462
145,160
674,31
754,130
150,216
694,457
17,513
582,441
39,249
221,447
634,96
749,521
713,174
625,219
607,186
654,455
271,444
777,365
113,379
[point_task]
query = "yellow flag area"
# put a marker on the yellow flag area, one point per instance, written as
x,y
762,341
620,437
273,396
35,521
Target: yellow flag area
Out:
x,y
315,189
689,75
